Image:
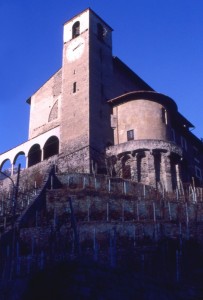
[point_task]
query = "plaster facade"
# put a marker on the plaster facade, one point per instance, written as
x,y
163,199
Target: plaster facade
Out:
x,y
45,107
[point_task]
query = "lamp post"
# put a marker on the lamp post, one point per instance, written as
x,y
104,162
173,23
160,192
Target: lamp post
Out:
x,y
13,211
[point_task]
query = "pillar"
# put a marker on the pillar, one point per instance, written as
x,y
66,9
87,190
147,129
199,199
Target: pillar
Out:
x,y
26,162
144,167
134,174
12,169
166,171
151,168
178,178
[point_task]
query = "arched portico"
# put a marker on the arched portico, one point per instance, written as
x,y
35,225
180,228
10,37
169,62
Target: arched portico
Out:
x,y
51,147
28,149
6,167
34,155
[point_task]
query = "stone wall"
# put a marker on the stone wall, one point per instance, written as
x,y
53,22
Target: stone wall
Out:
x,y
151,162
114,223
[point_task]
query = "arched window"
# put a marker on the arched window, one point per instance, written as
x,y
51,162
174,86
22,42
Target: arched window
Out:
x,y
76,29
34,155
51,147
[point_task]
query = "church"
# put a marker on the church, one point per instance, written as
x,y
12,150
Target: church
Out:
x,y
95,115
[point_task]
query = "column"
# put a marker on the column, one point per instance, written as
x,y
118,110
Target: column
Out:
x,y
166,171
141,167
178,177
118,167
151,168
12,169
42,153
134,174
26,162
144,167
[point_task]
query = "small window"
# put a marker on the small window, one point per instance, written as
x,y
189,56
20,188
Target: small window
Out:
x,y
74,87
113,121
130,135
100,32
76,29
195,151
198,172
196,154
183,143
164,115
173,135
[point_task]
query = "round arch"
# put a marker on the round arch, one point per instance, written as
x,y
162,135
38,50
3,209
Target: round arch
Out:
x,y
75,29
34,155
20,159
126,167
51,147
6,167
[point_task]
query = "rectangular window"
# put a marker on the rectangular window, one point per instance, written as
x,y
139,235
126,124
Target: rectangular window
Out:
x,y
183,143
113,121
196,151
130,135
198,172
196,154
173,135
164,116
74,87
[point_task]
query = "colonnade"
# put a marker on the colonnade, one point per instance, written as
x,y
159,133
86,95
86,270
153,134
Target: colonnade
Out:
x,y
157,167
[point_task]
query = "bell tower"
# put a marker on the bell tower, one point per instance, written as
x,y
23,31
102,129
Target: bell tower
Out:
x,y
86,86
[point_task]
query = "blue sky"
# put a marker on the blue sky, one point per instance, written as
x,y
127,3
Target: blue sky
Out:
x,y
160,40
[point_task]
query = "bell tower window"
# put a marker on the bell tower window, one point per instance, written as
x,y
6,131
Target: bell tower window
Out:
x,y
76,29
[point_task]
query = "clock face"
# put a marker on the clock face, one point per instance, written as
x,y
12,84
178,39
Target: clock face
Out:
x,y
75,49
